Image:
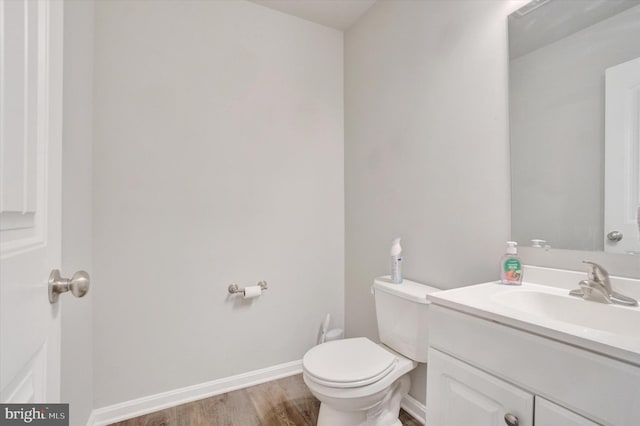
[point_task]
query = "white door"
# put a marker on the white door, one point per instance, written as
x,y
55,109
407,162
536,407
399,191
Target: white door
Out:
x,y
459,394
550,414
622,158
30,162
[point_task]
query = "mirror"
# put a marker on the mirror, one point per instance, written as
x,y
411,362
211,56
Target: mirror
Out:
x,y
574,109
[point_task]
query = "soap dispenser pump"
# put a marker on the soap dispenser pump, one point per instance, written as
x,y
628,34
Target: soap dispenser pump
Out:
x,y
511,265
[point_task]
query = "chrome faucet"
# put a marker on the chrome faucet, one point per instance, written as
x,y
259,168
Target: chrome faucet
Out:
x,y
598,287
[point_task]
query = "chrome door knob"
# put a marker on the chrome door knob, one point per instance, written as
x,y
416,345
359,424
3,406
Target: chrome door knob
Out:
x,y
614,236
511,420
78,284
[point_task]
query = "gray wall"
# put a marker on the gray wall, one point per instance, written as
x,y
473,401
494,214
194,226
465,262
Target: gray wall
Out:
x,y
77,321
218,159
426,148
557,99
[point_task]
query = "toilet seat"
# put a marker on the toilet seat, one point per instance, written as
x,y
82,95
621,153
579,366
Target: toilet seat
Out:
x,y
348,363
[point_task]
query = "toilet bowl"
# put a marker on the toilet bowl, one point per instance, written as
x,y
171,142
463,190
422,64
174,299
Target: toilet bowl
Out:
x,y
359,382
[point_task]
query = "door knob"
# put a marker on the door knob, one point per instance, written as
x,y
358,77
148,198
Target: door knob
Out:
x,y
511,420
78,284
614,236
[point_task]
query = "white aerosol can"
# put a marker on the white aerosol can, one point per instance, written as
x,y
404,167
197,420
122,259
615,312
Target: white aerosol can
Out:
x,y
396,261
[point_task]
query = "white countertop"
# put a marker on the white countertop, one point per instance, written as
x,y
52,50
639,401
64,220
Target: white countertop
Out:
x,y
549,311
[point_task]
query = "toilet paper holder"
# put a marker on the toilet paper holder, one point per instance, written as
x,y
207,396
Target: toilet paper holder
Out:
x,y
234,289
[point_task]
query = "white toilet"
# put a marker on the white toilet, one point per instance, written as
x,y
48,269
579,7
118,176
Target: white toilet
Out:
x,y
359,382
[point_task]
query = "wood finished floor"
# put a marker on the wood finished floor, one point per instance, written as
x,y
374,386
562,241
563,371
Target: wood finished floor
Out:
x,y
284,402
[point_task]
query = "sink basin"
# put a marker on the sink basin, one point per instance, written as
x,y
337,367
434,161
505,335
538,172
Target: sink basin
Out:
x,y
572,310
549,311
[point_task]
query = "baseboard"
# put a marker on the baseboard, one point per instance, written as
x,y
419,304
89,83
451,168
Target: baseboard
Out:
x,y
148,404
92,418
415,408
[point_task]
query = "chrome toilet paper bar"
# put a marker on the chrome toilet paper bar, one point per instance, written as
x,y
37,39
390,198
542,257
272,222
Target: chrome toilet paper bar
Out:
x,y
234,289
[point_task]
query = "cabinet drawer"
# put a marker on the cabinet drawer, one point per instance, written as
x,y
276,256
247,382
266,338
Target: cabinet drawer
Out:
x,y
550,414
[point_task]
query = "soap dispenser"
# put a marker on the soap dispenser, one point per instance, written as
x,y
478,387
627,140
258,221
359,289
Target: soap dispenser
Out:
x,y
511,265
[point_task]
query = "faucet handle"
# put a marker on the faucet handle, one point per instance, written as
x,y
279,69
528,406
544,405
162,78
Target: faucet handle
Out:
x,y
598,274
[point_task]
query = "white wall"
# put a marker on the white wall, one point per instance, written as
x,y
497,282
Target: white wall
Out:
x,y
218,159
77,322
426,148
557,123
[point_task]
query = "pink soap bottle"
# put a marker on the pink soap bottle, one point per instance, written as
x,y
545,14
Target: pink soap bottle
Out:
x,y
511,265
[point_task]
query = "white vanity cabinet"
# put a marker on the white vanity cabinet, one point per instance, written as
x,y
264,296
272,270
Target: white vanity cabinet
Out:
x,y
464,395
459,394
479,370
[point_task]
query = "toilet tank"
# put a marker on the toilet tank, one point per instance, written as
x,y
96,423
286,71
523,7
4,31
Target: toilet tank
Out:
x,y
401,310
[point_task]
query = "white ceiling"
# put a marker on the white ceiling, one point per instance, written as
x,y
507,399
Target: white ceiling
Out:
x,y
339,14
558,19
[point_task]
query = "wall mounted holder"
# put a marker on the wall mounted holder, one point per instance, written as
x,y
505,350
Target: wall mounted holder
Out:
x,y
234,289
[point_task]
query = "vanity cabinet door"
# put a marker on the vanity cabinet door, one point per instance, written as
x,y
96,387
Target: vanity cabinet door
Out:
x,y
550,414
459,394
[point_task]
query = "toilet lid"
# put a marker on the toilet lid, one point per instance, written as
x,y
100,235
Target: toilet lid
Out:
x,y
348,363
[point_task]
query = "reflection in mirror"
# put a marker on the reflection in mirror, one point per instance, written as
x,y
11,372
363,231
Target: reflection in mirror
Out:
x,y
567,61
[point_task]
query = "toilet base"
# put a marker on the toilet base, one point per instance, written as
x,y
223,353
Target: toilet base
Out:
x,y
383,413
330,417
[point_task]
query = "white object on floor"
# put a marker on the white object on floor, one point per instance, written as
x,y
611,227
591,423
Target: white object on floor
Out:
x,y
334,334
324,327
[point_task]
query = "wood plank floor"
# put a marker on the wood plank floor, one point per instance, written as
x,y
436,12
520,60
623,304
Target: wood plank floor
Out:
x,y
284,402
